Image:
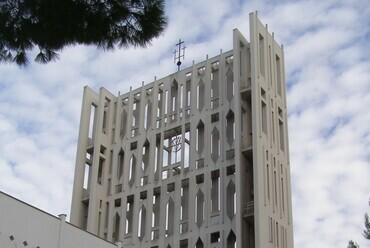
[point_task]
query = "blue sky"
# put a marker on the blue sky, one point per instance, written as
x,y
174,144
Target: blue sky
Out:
x,y
327,60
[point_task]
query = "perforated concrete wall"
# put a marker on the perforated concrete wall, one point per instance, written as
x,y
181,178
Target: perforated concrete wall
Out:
x,y
196,159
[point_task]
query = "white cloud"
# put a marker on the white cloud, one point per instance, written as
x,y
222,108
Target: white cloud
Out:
x,y
328,74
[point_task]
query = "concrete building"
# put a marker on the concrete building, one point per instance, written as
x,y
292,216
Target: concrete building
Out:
x,y
199,158
22,225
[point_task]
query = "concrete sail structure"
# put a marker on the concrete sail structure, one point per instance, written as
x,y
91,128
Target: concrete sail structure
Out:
x,y
199,158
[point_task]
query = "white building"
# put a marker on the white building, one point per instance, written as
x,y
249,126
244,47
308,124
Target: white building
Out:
x,y
22,225
199,158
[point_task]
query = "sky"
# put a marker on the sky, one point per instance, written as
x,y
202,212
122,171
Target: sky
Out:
x,y
327,61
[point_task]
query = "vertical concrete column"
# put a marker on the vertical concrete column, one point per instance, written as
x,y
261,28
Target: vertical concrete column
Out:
x,y
62,218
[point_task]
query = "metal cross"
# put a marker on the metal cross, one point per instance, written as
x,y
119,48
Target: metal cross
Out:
x,y
177,57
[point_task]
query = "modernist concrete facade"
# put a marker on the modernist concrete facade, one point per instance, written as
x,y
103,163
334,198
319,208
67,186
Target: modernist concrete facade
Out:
x,y
22,225
199,158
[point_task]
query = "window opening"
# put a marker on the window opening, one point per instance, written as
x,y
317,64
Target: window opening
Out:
x,y
199,179
230,170
281,130
199,243
229,84
187,146
166,102
262,54
215,190
278,74
156,206
199,208
169,217
184,200
141,222
230,127
199,139
230,200
200,95
188,93
231,240
129,213
132,168
100,171
215,144
121,158
215,237
147,115
123,123
93,108
116,225
264,117
172,146
87,175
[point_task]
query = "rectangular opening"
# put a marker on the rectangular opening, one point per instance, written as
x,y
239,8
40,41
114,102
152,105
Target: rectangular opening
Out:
x,y
230,154
143,195
165,174
187,147
104,126
129,213
280,111
199,178
156,206
215,237
268,181
133,145
143,180
281,131
100,171
262,54
118,188
121,158
184,243
184,210
92,120
170,187
215,117
176,170
183,228
199,163
264,117
215,190
166,102
278,74
86,177
117,203
230,170
102,149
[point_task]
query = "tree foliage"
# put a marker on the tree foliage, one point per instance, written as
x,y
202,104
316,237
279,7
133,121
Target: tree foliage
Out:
x,y
366,232
352,244
51,25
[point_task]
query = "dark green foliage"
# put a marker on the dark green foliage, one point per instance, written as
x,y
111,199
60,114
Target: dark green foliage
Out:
x,y
51,25
367,225
352,244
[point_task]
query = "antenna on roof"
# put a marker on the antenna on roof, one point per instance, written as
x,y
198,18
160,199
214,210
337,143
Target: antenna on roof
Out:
x,y
181,54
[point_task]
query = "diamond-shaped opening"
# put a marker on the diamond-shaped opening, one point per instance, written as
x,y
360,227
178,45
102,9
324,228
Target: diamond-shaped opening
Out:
x,y
199,243
231,240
